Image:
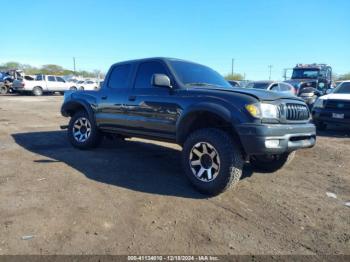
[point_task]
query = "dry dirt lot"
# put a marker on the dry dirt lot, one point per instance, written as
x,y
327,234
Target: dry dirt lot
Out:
x,y
131,197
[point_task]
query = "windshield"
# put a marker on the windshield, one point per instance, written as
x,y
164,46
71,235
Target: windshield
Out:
x,y
260,85
191,74
343,88
304,73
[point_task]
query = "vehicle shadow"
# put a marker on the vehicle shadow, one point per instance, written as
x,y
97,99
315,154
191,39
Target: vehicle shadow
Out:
x,y
138,166
335,131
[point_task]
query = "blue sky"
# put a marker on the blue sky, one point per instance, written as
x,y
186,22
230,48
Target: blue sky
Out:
x,y
256,33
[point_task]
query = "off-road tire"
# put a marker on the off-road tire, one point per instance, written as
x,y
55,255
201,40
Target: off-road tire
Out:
x,y
37,91
229,153
264,164
3,90
94,138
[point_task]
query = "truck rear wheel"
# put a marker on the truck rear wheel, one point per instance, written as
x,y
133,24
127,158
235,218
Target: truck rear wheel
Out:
x,y
3,90
37,91
83,132
271,163
212,160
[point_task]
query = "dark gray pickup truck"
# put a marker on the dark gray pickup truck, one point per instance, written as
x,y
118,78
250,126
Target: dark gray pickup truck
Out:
x,y
218,127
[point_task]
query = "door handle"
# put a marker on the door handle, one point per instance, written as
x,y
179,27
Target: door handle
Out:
x,y
104,97
132,98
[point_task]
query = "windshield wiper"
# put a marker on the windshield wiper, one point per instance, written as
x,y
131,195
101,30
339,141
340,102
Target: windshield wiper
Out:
x,y
201,84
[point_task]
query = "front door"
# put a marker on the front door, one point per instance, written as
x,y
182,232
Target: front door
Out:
x,y
61,84
152,111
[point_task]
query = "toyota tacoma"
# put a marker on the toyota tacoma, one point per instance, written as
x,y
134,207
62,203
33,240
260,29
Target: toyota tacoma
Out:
x,y
218,127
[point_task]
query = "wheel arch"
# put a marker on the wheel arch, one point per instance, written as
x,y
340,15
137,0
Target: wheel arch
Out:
x,y
204,116
71,107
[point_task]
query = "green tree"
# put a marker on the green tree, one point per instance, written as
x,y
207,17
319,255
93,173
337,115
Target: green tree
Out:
x,y
344,76
49,69
234,76
12,65
52,69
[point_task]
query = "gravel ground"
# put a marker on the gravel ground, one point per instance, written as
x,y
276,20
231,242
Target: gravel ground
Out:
x,y
131,197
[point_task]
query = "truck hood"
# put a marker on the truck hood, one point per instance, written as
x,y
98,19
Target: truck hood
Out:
x,y
336,96
261,95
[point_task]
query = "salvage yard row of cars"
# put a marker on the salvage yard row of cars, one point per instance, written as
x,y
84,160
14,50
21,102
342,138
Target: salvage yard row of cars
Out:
x,y
41,84
16,81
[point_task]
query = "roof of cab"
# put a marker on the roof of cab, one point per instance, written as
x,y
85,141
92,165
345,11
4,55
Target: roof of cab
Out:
x,y
152,58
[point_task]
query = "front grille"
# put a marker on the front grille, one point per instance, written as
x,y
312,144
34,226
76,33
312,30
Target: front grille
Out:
x,y
337,104
295,112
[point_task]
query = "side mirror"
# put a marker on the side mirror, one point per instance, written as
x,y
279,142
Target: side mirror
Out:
x,y
161,80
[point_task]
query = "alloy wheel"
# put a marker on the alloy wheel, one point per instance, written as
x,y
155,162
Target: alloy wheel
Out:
x,y
204,161
81,129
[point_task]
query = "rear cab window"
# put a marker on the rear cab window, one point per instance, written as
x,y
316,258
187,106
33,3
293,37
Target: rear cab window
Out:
x,y
119,76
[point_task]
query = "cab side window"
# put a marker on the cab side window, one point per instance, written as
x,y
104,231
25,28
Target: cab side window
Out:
x,y
119,77
146,71
60,79
275,87
284,87
51,79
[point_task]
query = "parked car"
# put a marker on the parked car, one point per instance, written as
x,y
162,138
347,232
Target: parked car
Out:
x,y
88,85
311,81
333,108
234,83
42,84
218,127
7,78
272,86
243,83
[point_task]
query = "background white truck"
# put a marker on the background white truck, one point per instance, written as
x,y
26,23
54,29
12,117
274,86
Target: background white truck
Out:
x,y
42,84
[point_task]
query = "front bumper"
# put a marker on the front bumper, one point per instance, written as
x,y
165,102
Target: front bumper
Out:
x,y
326,116
290,137
309,100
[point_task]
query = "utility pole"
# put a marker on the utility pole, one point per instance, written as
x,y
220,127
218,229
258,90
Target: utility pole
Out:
x,y
74,64
270,68
232,67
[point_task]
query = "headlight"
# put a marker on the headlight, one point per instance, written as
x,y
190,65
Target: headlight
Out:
x,y
262,110
319,103
269,111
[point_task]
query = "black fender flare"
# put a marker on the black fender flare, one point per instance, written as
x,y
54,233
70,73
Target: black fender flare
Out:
x,y
74,106
214,108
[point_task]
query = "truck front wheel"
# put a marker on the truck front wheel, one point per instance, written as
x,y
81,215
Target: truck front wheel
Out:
x,y
271,163
212,160
37,91
83,132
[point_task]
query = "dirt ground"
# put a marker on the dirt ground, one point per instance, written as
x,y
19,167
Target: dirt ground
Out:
x,y
131,197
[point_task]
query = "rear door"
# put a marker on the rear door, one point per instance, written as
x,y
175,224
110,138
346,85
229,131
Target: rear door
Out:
x,y
51,83
112,98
